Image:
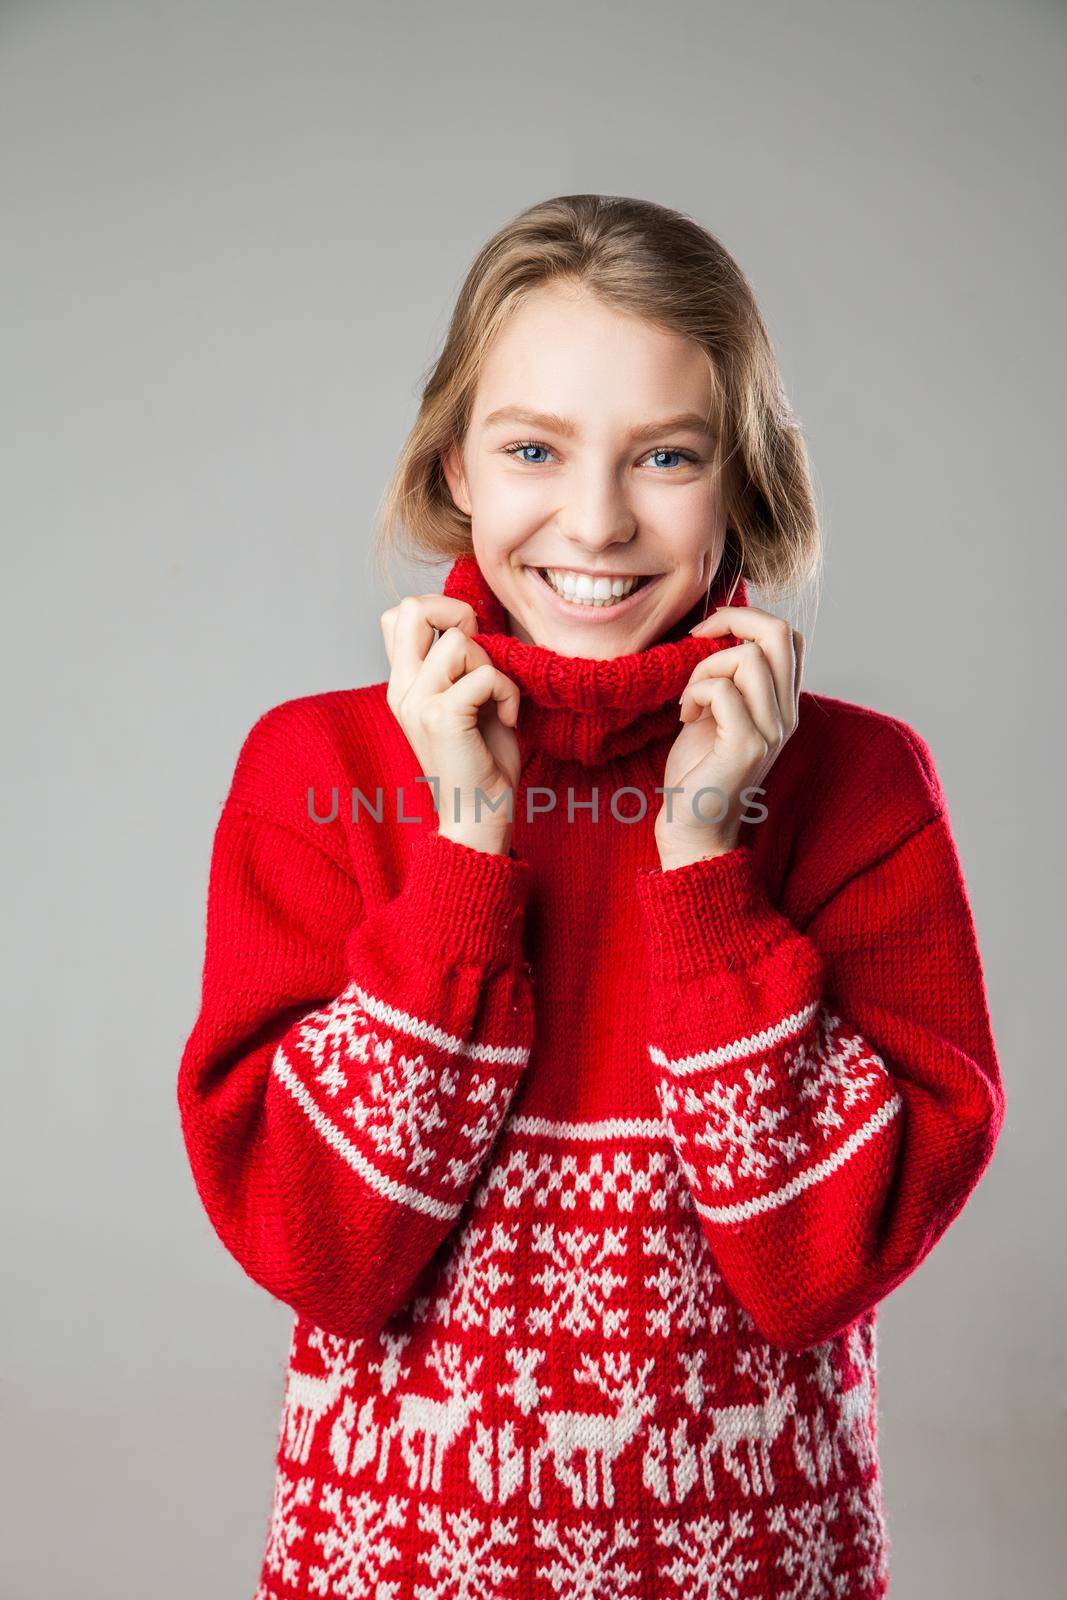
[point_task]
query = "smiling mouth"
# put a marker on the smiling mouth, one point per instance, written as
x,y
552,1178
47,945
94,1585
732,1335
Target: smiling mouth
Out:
x,y
593,593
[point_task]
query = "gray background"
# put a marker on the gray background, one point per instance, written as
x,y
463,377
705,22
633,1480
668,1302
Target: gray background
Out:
x,y
231,237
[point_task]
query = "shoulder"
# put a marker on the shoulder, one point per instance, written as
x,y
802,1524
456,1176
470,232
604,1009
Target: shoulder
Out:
x,y
295,753
855,784
860,747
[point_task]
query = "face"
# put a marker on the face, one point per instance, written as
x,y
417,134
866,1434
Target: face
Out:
x,y
589,475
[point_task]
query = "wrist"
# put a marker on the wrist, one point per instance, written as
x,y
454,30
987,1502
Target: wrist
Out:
x,y
490,841
676,850
674,860
711,914
462,903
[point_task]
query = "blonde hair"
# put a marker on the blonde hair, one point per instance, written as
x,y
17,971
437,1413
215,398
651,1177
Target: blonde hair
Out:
x,y
659,264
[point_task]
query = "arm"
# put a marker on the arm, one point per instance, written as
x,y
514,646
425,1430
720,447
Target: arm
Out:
x,y
349,1070
833,1093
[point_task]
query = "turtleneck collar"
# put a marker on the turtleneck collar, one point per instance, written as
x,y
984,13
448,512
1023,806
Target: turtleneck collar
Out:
x,y
589,710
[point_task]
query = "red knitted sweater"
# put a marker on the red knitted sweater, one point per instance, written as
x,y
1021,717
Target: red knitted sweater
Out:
x,y
583,1178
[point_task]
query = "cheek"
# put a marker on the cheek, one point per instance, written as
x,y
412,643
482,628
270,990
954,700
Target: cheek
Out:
x,y
688,517
507,500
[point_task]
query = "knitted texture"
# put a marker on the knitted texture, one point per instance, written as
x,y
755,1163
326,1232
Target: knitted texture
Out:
x,y
583,1178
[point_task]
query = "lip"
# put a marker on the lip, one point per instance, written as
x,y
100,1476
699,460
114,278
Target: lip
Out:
x,y
595,614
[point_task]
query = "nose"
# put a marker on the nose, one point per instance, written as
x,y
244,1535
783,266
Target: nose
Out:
x,y
597,513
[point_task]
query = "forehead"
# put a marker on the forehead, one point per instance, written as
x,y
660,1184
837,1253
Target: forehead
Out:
x,y
565,350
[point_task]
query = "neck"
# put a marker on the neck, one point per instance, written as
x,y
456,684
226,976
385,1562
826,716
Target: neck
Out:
x,y
589,709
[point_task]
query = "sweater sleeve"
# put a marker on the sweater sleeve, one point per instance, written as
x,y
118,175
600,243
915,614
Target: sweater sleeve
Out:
x,y
349,1069
833,1093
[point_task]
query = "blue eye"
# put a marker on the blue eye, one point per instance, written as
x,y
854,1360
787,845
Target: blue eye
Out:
x,y
684,455
516,449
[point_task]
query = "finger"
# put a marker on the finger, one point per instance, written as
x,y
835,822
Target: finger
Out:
x,y
748,668
482,686
434,611
774,637
452,654
409,630
729,711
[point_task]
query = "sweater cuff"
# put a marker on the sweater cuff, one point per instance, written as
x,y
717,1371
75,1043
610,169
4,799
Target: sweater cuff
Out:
x,y
710,915
466,905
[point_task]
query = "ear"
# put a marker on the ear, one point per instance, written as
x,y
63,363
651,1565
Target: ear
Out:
x,y
456,478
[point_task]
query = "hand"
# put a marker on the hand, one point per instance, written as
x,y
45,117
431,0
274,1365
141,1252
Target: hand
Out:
x,y
740,707
458,712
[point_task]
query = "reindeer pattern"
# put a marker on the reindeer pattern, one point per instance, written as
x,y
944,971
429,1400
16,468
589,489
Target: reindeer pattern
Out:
x,y
570,1363
720,1400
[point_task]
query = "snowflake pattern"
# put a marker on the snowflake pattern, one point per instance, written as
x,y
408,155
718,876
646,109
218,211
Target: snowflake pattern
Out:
x,y
578,1280
488,1097
740,1124
477,1287
685,1280
706,1563
382,1082
357,1547
809,1555
464,1561
400,1112
871,1539
588,1562
291,1496
835,1073
737,1130
336,1036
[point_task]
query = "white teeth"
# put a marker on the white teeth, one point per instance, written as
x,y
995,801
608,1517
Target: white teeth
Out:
x,y
581,589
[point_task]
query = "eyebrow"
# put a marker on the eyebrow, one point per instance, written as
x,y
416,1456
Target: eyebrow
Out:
x,y
690,421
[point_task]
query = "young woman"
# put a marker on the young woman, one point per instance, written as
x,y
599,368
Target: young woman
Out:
x,y
593,1030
